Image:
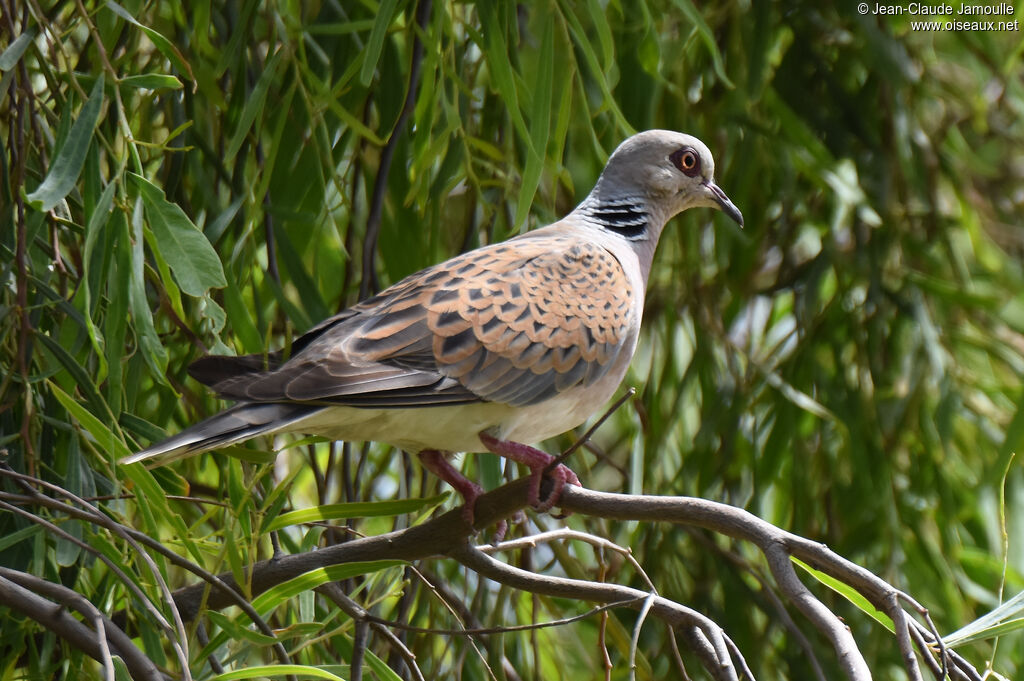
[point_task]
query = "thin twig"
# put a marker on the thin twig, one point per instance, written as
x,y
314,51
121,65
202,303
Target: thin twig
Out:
x,y
675,613
581,440
447,602
114,568
334,592
107,633
773,598
634,641
369,282
204,640
505,629
902,630
56,618
89,513
565,533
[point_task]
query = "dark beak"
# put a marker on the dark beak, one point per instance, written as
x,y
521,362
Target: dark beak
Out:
x,y
724,203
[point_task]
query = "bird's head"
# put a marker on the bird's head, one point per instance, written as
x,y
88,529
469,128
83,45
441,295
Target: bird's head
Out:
x,y
671,170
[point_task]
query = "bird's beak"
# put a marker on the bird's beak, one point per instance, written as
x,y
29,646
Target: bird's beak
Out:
x,y
724,203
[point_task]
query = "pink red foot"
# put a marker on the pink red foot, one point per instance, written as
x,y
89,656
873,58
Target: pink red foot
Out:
x,y
437,463
536,461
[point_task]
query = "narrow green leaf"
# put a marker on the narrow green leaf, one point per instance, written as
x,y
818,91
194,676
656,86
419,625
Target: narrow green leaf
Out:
x,y
214,229
360,509
849,593
375,44
490,470
275,148
253,105
78,373
62,304
238,631
277,670
153,351
240,496
248,454
213,313
342,28
6,79
353,122
171,483
273,597
500,66
69,551
195,264
152,81
241,319
992,624
984,634
10,57
121,672
563,84
67,165
706,36
540,125
151,499
115,323
604,32
238,43
234,546
277,498
96,222
9,540
648,52
313,304
581,41
104,437
165,46
171,289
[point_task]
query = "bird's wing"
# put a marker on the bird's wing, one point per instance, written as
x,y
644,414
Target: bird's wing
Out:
x,y
516,322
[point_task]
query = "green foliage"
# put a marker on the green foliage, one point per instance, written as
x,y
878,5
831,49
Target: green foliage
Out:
x,y
217,177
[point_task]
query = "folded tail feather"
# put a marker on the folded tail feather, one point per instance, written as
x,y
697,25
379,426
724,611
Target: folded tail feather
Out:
x,y
236,424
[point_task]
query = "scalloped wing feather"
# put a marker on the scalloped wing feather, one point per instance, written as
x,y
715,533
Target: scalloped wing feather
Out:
x,y
516,322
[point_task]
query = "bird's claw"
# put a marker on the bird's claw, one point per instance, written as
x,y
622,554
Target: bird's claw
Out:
x,y
537,461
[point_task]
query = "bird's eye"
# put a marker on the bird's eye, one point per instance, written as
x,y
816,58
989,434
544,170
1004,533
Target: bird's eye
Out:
x,y
687,160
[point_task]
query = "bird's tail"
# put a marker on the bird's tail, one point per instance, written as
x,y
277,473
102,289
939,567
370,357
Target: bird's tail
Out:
x,y
236,424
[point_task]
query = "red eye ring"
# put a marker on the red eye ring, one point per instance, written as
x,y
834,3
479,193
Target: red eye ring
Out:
x,y
687,161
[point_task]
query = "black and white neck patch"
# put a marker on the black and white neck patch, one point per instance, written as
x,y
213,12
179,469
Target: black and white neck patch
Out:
x,y
626,216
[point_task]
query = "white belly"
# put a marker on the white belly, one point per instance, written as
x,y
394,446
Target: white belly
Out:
x,y
455,428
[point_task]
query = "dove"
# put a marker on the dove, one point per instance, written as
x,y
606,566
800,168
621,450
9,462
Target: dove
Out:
x,y
493,350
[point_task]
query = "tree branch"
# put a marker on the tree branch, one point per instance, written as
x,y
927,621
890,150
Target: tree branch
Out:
x,y
450,535
88,513
679,616
22,592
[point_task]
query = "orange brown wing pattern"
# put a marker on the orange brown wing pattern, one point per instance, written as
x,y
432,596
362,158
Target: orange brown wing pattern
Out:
x,y
516,322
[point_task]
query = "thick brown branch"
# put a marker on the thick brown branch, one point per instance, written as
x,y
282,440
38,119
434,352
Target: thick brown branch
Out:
x,y
449,534
433,538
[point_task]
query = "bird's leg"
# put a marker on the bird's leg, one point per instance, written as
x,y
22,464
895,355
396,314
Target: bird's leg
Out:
x,y
536,461
437,463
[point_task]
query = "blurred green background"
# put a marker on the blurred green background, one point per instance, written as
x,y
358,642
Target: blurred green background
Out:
x,y
848,366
